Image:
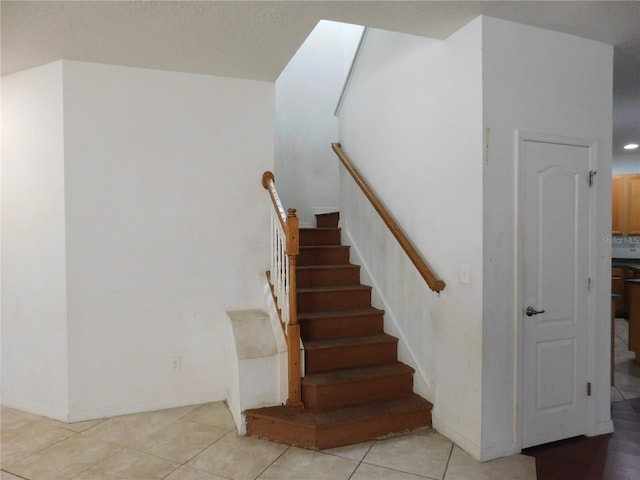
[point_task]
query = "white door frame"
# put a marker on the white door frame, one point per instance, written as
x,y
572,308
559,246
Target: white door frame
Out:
x,y
522,136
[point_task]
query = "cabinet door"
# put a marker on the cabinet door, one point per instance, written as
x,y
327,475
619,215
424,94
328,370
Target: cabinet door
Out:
x,y
626,306
618,204
617,287
633,204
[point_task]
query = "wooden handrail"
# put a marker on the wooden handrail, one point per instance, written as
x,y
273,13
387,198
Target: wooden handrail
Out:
x,y
290,226
434,283
269,184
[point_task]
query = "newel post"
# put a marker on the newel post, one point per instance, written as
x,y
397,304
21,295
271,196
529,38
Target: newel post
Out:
x,y
293,328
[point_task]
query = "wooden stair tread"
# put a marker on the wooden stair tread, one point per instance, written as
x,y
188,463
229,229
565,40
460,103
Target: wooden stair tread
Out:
x,y
322,266
321,229
334,288
340,313
357,374
312,418
355,389
350,341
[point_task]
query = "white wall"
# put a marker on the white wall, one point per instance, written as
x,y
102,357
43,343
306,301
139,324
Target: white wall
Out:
x,y
627,163
411,123
547,82
34,293
307,92
432,127
166,225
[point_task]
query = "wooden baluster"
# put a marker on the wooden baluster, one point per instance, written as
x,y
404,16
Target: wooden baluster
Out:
x,y
293,328
285,249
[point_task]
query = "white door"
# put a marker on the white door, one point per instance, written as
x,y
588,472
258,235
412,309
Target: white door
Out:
x,y
555,290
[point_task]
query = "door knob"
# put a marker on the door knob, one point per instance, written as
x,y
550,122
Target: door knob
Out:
x,y
530,311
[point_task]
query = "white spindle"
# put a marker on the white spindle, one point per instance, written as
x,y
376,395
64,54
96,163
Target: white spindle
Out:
x,y
279,265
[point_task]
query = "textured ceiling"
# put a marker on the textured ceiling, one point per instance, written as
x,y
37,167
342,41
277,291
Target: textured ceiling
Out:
x,y
256,39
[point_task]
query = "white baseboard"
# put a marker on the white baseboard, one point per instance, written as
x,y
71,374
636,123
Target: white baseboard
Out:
x,y
602,428
422,385
499,451
456,437
36,408
150,406
323,210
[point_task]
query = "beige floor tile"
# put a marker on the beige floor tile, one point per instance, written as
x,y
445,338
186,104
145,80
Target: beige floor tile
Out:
x,y
183,440
626,371
463,467
622,329
75,426
352,452
297,463
621,352
29,439
129,464
64,459
521,467
10,419
430,432
238,457
215,414
8,476
627,379
417,454
179,412
189,473
616,396
140,431
372,472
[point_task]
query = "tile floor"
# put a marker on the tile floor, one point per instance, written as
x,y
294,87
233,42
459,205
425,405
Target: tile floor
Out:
x,y
200,443
626,373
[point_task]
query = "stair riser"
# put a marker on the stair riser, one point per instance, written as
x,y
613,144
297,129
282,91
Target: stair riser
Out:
x,y
277,430
339,327
327,220
324,255
357,432
327,301
325,277
319,237
352,356
336,435
356,393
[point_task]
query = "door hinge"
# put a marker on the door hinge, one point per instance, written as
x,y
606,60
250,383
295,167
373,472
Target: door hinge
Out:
x,y
588,389
592,173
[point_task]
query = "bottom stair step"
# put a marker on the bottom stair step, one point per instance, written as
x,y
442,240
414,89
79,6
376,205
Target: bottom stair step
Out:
x,y
320,429
357,386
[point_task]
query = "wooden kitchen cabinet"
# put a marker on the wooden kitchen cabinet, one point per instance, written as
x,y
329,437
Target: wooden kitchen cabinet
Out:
x,y
625,190
617,201
633,204
617,288
628,275
634,318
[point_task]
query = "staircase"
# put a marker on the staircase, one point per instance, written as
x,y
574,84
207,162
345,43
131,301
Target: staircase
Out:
x,y
354,388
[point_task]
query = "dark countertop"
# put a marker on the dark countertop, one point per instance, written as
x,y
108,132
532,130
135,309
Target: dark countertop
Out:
x,y
630,263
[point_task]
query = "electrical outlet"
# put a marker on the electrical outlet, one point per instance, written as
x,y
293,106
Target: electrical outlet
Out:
x,y
175,364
